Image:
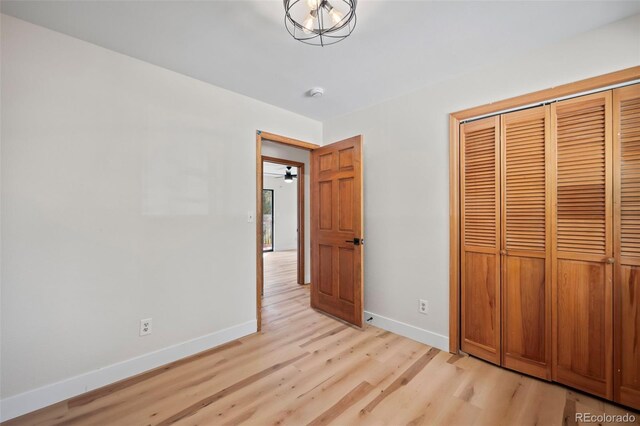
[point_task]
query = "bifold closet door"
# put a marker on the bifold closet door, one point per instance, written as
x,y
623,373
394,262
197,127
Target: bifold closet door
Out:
x,y
526,239
626,130
583,270
480,259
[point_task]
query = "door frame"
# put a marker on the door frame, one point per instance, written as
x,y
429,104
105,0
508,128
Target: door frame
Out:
x,y
283,140
593,83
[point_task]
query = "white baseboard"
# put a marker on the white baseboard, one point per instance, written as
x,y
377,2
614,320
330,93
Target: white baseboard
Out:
x,y
26,402
412,332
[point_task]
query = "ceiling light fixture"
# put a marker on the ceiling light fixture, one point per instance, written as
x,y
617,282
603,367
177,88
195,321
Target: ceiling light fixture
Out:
x,y
320,22
288,176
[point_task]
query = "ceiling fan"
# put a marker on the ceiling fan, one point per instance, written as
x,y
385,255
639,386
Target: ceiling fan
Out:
x,y
288,177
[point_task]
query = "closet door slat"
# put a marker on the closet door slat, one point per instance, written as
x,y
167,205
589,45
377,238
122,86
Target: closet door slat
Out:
x,y
480,259
582,276
626,131
526,269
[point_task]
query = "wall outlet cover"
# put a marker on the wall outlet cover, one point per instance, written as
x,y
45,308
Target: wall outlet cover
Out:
x,y
145,326
423,307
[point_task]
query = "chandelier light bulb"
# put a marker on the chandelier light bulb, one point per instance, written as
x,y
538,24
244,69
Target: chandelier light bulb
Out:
x,y
336,16
308,24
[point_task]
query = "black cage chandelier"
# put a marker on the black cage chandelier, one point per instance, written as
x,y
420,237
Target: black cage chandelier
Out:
x,y
320,22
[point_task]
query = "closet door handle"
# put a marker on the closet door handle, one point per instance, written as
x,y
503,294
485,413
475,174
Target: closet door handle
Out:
x,y
503,252
610,260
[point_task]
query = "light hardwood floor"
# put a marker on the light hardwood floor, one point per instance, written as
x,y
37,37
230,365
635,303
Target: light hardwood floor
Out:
x,y
306,368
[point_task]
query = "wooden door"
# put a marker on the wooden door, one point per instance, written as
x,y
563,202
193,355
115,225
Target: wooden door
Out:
x,y
336,230
626,149
480,245
526,242
583,244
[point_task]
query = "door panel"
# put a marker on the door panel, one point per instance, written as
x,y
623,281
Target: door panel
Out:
x,y
480,214
325,268
582,326
626,130
525,339
628,352
336,220
526,237
480,319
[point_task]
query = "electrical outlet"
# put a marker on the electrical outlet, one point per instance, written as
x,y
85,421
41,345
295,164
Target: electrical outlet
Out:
x,y
423,308
145,326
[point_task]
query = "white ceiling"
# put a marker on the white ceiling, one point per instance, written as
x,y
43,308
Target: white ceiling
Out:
x,y
397,46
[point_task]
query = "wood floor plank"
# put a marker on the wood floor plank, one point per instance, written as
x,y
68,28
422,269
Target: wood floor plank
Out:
x,y
405,378
195,407
353,396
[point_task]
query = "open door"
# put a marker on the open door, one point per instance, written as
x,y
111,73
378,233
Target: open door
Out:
x,y
336,230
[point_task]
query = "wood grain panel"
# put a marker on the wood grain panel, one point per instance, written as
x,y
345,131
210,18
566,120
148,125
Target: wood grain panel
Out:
x,y
345,204
479,257
583,326
481,322
526,241
626,130
345,274
583,274
325,204
345,159
325,162
525,338
628,384
325,260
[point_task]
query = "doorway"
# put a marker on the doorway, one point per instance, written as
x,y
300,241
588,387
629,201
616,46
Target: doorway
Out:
x,y
334,252
282,251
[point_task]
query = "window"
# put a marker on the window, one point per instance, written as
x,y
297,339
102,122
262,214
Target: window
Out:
x,y
267,220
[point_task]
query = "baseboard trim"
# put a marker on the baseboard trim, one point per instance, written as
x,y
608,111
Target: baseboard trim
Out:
x,y
29,401
412,332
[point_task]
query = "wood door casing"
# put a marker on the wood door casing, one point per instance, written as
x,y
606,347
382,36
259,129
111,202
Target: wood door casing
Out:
x,y
583,244
336,219
479,257
526,242
626,153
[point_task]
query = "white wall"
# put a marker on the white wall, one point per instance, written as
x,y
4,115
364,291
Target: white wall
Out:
x,y
271,149
120,202
285,226
406,181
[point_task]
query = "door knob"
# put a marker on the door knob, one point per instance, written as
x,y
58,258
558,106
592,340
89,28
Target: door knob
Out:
x,y
610,260
356,241
503,252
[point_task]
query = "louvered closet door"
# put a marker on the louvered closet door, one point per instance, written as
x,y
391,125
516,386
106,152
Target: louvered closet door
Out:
x,y
480,259
626,131
582,329
526,242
